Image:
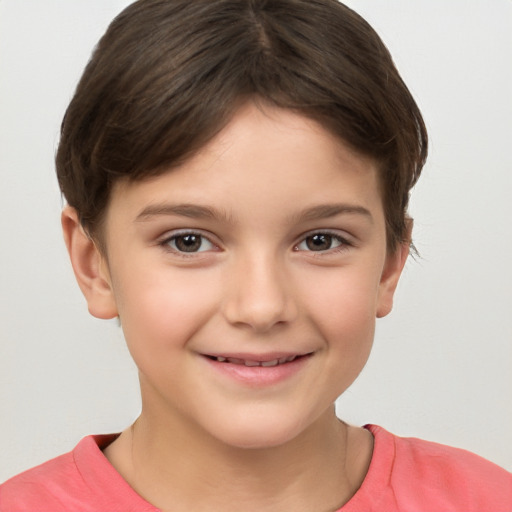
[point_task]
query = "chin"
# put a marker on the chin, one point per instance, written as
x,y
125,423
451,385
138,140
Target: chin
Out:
x,y
259,441
258,435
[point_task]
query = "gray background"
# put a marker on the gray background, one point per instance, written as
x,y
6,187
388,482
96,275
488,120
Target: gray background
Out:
x,y
441,367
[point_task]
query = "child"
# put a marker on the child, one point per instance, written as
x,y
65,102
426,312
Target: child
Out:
x,y
237,176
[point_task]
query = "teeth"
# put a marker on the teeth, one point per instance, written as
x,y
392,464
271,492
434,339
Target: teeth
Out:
x,y
248,362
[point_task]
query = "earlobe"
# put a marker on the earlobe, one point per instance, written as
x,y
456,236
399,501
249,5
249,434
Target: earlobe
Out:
x,y
89,266
392,271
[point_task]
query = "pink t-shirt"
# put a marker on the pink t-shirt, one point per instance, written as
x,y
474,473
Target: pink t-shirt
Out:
x,y
405,475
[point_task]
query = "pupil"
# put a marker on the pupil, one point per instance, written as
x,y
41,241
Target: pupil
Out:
x,y
188,243
319,242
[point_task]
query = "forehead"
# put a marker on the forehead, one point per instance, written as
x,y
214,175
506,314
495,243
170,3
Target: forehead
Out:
x,y
265,162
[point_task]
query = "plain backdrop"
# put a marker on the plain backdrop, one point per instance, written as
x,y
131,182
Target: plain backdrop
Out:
x,y
442,363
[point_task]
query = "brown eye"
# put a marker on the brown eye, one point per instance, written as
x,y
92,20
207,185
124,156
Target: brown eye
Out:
x,y
319,242
189,242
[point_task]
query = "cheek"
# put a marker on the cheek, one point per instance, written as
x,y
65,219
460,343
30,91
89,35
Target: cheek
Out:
x,y
161,309
343,308
346,322
343,293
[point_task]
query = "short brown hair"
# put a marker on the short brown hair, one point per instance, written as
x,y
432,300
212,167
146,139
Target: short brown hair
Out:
x,y
169,74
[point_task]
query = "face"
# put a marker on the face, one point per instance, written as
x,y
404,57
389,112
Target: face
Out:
x,y
248,280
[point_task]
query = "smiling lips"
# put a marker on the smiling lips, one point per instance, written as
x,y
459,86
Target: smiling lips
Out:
x,y
258,370
252,362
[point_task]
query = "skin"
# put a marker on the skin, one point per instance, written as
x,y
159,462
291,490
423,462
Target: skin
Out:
x,y
257,285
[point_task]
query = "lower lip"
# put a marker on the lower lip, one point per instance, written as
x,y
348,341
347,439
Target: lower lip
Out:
x,y
259,376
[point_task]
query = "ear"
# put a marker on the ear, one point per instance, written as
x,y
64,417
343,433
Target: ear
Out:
x,y
391,273
89,266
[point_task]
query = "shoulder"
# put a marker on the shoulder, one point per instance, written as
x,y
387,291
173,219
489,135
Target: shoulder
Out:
x,y
81,480
42,486
54,485
449,478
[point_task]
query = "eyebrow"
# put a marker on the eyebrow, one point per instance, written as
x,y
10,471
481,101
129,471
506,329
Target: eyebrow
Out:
x,y
325,211
194,211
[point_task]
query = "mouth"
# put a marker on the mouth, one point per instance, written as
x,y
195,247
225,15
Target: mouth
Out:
x,y
258,371
253,361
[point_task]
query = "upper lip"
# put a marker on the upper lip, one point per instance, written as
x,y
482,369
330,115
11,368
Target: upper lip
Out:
x,y
268,356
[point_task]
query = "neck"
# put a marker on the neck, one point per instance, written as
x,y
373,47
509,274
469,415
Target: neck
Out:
x,y
178,468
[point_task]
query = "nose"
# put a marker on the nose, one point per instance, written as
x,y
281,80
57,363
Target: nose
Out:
x,y
259,294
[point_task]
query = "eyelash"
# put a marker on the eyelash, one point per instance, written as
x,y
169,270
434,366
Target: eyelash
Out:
x,y
344,244
165,243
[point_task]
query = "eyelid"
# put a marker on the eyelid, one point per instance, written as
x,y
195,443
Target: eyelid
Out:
x,y
164,240
345,239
